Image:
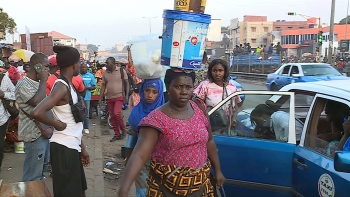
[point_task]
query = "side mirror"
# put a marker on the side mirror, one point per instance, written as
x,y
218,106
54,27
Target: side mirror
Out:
x,y
233,77
296,75
342,161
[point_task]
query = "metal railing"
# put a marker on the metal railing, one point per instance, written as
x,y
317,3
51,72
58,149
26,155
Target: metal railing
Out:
x,y
250,76
256,63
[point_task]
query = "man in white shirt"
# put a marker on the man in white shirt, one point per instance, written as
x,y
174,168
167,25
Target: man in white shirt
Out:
x,y
277,122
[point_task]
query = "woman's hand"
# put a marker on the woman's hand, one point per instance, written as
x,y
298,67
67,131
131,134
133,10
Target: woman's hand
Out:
x,y
85,158
220,179
60,126
47,133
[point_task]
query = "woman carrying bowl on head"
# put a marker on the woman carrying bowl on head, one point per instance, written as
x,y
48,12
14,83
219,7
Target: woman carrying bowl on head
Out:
x,y
178,138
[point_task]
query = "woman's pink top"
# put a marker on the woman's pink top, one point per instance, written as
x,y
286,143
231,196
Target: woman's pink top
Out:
x,y
212,94
182,142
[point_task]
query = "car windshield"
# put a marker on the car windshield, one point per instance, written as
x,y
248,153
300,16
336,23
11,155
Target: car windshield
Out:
x,y
319,70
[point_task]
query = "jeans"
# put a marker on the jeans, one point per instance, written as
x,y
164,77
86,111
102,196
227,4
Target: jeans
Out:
x,y
3,129
36,154
86,121
115,111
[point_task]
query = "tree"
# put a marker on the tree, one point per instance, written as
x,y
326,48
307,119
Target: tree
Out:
x,y
92,48
343,21
7,24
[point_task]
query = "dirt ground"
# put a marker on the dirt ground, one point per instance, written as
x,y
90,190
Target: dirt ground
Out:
x,y
112,159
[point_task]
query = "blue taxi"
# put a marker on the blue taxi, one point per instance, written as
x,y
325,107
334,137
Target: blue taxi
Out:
x,y
296,153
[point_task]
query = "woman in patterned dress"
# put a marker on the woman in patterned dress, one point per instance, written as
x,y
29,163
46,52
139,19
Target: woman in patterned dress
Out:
x,y
177,135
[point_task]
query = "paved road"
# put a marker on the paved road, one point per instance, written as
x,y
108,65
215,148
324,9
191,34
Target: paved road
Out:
x,y
253,100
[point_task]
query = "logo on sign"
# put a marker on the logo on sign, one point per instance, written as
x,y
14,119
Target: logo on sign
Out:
x,y
194,40
176,44
195,64
326,186
201,31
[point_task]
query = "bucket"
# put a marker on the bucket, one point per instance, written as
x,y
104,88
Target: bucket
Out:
x,y
19,147
184,39
190,5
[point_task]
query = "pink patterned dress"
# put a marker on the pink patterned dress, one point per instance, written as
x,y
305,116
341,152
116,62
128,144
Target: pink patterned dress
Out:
x,y
181,142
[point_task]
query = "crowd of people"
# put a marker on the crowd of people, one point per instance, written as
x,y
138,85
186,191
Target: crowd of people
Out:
x,y
168,120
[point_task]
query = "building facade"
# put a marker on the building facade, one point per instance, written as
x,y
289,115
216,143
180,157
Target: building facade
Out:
x,y
299,41
257,31
214,31
59,38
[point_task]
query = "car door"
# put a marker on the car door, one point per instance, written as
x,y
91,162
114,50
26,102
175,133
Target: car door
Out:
x,y
313,166
254,163
283,78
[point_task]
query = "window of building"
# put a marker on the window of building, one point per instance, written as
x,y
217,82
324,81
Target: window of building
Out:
x,y
265,40
278,28
253,40
266,29
297,39
68,40
253,29
290,27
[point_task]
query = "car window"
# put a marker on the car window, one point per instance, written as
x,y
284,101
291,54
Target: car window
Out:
x,y
319,70
285,70
258,118
324,130
294,70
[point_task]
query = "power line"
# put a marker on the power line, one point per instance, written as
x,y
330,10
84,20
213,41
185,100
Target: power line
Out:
x,y
250,5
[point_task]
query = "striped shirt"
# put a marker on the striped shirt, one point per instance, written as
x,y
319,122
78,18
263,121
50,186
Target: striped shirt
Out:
x,y
26,88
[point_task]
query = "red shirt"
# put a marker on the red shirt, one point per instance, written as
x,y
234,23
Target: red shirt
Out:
x,y
12,73
77,82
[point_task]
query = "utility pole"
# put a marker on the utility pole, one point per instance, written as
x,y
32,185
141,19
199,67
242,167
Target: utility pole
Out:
x,y
150,23
346,20
331,34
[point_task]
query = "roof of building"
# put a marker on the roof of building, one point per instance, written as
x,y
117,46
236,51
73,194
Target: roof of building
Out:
x,y
55,34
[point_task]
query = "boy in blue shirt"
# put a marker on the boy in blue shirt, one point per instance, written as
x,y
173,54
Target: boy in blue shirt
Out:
x,y
90,84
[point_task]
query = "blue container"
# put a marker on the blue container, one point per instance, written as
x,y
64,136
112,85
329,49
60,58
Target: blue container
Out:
x,y
184,38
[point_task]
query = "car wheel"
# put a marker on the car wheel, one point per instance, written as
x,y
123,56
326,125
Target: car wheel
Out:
x,y
273,87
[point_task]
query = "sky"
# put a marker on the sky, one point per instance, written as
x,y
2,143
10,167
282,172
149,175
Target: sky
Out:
x,y
110,22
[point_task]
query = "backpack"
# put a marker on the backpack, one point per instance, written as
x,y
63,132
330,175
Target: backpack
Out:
x,y
132,86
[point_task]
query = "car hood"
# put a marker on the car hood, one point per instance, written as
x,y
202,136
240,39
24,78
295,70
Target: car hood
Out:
x,y
323,78
238,85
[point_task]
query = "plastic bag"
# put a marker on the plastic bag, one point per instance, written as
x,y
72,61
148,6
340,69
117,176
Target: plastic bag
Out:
x,y
146,52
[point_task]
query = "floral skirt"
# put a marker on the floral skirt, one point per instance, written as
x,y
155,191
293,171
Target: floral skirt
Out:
x,y
171,181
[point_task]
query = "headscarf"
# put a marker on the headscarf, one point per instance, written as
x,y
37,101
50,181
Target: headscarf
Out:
x,y
172,73
143,108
